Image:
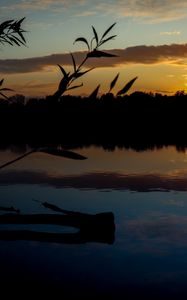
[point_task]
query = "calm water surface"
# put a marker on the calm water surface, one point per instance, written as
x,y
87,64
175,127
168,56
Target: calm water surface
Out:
x,y
146,192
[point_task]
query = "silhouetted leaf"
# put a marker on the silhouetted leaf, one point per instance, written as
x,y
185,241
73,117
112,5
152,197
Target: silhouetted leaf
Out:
x,y
12,33
63,71
19,22
95,35
5,24
75,87
95,92
97,53
18,40
126,87
82,39
14,40
21,35
74,64
112,84
10,43
106,40
63,153
1,82
107,31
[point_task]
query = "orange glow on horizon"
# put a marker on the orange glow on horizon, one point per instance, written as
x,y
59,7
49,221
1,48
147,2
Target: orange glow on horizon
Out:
x,y
161,78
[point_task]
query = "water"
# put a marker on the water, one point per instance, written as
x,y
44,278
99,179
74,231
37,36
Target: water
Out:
x,y
147,193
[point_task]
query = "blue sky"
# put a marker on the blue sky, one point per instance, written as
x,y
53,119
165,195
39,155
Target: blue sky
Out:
x,y
54,25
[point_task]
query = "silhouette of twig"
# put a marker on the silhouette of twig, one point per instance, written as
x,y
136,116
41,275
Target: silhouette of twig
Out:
x,y
10,209
93,52
16,159
58,209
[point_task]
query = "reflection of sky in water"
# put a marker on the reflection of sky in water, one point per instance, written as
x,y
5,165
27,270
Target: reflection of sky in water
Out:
x,y
150,244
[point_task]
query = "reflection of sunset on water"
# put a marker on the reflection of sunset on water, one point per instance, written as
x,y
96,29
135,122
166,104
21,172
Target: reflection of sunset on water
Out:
x,y
93,188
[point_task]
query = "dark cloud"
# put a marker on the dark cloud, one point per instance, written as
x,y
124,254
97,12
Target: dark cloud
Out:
x,y
98,181
131,55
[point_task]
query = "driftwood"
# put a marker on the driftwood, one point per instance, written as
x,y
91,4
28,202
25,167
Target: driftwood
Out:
x,y
10,209
92,228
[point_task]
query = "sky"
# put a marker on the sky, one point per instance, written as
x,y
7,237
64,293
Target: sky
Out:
x,y
151,43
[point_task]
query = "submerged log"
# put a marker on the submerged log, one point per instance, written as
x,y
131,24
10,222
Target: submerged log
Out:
x,y
95,228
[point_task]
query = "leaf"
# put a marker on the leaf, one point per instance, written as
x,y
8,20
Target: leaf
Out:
x,y
21,35
95,92
97,53
8,43
63,153
75,86
126,87
107,31
106,40
63,71
74,64
95,35
1,82
20,21
82,39
112,84
14,40
6,24
18,40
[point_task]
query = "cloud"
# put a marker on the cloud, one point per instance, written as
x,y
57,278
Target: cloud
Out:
x,y
174,32
150,10
175,53
34,64
86,13
98,181
33,5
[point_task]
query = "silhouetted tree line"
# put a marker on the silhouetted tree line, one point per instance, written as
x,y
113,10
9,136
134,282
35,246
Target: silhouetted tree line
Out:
x,y
138,120
142,119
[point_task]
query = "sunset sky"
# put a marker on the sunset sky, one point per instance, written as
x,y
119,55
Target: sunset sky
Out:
x,y
151,43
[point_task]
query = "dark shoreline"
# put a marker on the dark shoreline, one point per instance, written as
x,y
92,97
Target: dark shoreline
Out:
x,y
139,121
